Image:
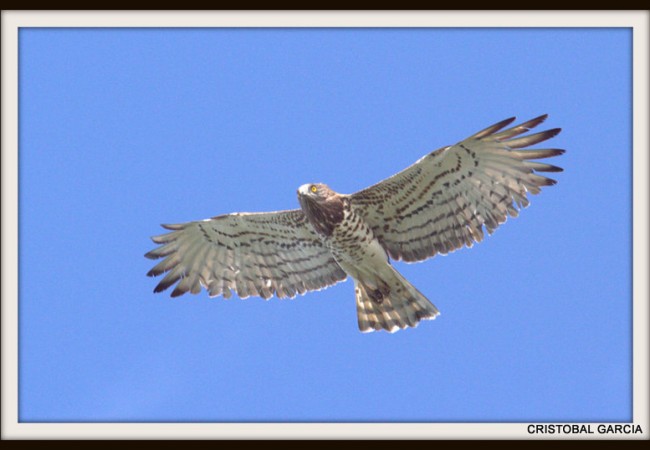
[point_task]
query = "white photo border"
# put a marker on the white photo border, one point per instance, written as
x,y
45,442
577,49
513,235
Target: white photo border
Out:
x,y
12,21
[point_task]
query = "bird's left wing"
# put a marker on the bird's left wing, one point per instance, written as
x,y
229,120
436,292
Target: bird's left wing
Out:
x,y
443,201
262,254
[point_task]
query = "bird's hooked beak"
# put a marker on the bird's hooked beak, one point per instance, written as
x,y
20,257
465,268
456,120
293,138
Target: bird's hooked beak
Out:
x,y
305,196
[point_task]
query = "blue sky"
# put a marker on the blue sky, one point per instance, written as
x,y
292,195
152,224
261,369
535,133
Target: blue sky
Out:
x,y
124,129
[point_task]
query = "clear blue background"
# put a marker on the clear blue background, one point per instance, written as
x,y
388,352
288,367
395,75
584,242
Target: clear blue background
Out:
x,y
124,129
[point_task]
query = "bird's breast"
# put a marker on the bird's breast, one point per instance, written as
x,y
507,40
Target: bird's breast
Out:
x,y
354,245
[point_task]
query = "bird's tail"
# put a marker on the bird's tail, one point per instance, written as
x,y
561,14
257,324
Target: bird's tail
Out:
x,y
391,304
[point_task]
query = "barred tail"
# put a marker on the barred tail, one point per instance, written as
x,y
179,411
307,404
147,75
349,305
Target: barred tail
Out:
x,y
393,306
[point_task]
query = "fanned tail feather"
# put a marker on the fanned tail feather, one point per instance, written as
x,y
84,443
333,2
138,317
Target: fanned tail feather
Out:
x,y
395,306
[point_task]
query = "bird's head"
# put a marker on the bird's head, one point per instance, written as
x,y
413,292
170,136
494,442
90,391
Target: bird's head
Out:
x,y
314,191
322,206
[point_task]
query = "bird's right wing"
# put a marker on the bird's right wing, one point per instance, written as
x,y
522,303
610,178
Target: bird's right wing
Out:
x,y
260,254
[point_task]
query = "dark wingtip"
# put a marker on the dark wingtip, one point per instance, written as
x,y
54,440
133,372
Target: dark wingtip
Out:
x,y
492,129
549,168
173,226
177,292
164,285
504,123
551,152
532,123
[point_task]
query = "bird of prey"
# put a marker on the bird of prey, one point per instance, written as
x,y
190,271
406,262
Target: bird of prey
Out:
x,y
439,204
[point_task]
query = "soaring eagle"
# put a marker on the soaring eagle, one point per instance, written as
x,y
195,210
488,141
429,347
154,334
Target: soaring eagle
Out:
x,y
439,204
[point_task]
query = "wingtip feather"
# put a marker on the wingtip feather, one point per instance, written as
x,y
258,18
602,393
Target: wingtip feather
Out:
x,y
537,120
173,226
158,289
177,292
532,139
493,128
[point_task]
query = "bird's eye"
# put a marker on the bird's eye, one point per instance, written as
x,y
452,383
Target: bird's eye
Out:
x,y
313,188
